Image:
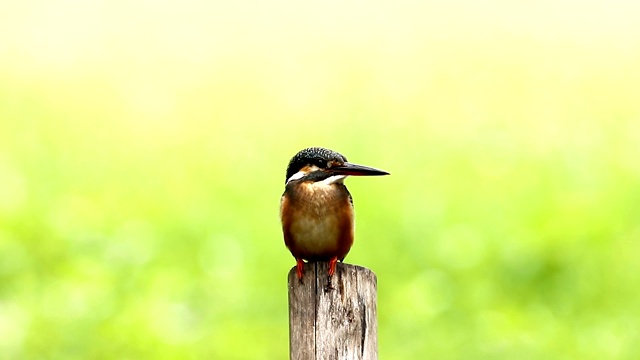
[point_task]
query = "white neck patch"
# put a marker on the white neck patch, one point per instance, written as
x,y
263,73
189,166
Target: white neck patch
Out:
x,y
309,169
304,171
296,176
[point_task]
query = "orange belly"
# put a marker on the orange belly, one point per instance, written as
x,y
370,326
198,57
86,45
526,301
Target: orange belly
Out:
x,y
317,222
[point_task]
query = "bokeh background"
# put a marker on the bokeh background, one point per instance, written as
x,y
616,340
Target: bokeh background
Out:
x,y
143,147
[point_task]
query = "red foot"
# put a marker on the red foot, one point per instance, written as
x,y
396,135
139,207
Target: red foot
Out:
x,y
299,268
332,265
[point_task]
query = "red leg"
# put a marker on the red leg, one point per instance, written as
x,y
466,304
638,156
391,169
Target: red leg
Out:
x,y
332,265
299,268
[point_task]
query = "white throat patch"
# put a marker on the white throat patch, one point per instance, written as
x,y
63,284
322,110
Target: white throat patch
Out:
x,y
309,169
333,179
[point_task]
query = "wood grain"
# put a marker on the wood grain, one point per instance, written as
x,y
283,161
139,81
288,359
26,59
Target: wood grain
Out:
x,y
336,320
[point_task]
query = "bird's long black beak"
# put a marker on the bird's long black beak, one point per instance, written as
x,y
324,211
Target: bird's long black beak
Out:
x,y
356,170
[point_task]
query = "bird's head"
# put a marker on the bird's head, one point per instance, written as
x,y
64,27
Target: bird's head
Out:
x,y
319,164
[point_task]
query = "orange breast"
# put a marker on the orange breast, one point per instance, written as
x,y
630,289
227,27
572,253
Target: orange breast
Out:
x,y
317,221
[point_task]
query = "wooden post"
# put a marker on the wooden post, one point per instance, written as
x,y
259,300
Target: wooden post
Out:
x,y
336,321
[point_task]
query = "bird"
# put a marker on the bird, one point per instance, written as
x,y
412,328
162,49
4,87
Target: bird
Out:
x,y
316,209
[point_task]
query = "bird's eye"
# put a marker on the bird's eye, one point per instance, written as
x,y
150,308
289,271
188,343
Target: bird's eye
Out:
x,y
321,163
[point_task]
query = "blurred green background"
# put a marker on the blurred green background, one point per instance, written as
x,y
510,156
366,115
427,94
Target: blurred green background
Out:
x,y
143,148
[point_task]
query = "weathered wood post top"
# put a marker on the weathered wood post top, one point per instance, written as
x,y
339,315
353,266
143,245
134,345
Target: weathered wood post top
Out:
x,y
333,319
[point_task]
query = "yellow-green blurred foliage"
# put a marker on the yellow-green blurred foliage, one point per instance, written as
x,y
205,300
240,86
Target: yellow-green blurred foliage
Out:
x,y
143,148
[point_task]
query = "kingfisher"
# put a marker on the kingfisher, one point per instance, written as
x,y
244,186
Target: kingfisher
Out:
x,y
316,209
